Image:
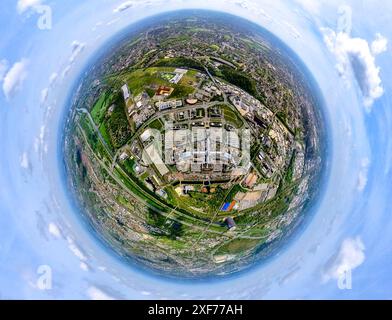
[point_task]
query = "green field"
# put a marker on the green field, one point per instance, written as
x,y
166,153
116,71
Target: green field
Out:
x,y
237,246
232,116
181,62
151,78
156,124
100,108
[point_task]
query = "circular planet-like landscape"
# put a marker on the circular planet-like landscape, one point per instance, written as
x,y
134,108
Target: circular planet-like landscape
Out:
x,y
194,144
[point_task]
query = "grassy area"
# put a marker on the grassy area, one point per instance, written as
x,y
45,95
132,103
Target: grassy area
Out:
x,y
102,151
233,192
99,110
105,135
258,231
89,131
178,243
208,203
181,91
156,124
140,79
150,92
238,79
129,165
172,196
149,79
214,47
232,116
171,229
237,246
189,78
180,62
144,176
130,184
176,40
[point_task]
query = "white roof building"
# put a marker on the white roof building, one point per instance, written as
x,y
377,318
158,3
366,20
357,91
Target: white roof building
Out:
x,y
145,135
125,91
152,156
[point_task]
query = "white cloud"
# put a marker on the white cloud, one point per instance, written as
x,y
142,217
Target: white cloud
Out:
x,y
294,31
114,21
379,45
39,142
355,56
3,68
363,174
123,6
97,25
24,5
251,6
14,78
66,70
77,48
24,161
45,92
84,266
75,249
242,3
42,134
350,256
54,230
97,294
52,79
44,95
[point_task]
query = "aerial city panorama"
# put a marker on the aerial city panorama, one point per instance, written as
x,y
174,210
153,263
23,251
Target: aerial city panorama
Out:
x,y
194,145
193,156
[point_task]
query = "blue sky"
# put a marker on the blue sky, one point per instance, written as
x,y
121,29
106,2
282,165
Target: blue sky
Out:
x,y
351,229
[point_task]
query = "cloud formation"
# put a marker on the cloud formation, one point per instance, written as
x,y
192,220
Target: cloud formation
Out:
x,y
123,6
350,256
52,79
45,92
251,6
14,78
54,230
77,48
44,95
75,249
363,174
84,266
379,45
24,5
24,161
356,56
97,294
